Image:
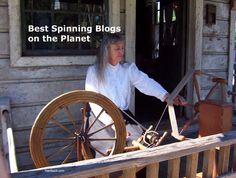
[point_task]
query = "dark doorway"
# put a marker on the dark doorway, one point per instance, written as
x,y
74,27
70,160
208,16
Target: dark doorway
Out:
x,y
160,50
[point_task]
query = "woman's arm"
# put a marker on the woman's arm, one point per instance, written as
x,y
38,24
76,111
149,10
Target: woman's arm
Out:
x,y
145,84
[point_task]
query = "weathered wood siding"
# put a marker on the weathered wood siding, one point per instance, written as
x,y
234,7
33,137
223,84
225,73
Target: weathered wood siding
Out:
x,y
31,88
215,43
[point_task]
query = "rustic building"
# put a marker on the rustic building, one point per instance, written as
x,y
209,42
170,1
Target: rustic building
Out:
x,y
164,38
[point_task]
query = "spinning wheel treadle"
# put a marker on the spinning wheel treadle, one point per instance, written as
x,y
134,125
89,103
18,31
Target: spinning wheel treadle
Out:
x,y
62,128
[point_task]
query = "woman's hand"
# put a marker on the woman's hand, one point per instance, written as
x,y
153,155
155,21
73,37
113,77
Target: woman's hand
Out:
x,y
178,100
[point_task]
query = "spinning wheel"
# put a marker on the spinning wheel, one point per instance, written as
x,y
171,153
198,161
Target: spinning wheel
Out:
x,y
194,75
64,127
66,130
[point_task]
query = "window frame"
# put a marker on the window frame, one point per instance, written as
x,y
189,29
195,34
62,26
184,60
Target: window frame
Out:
x,y
58,49
16,58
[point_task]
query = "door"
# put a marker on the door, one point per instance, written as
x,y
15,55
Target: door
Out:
x,y
160,49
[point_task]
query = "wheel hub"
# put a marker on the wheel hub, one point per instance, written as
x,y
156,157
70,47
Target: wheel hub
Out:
x,y
81,136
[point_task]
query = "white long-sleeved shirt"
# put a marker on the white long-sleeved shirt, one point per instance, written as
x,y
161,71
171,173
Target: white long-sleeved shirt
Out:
x,y
119,80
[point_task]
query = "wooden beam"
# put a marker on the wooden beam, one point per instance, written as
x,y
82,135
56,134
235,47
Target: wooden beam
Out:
x,y
194,42
130,29
180,86
114,12
130,36
171,110
7,134
231,58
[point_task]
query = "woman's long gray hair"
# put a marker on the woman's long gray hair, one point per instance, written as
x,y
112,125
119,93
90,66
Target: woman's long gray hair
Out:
x,y
103,53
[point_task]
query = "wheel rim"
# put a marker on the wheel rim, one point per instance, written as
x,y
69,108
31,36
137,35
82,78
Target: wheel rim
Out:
x,y
70,138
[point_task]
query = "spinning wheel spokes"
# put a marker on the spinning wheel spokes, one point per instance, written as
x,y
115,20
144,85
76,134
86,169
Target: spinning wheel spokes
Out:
x,y
59,139
97,150
67,157
63,133
96,118
59,151
107,126
70,116
61,126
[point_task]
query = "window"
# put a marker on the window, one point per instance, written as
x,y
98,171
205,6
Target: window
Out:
x,y
75,17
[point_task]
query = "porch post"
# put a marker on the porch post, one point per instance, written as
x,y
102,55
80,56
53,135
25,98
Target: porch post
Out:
x,y
231,58
130,35
194,41
114,12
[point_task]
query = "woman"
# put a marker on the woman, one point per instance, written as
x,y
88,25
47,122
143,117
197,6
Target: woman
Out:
x,y
114,78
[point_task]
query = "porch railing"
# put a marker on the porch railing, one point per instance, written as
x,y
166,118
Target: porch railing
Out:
x,y
217,151
7,135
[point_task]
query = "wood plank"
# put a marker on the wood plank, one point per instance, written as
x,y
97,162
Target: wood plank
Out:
x,y
7,134
130,29
24,117
40,74
129,173
3,2
206,82
208,163
3,21
130,36
173,121
221,28
173,168
194,43
198,8
46,91
234,158
138,158
231,58
114,13
4,38
213,61
191,165
215,44
103,176
152,170
223,164
171,110
180,86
